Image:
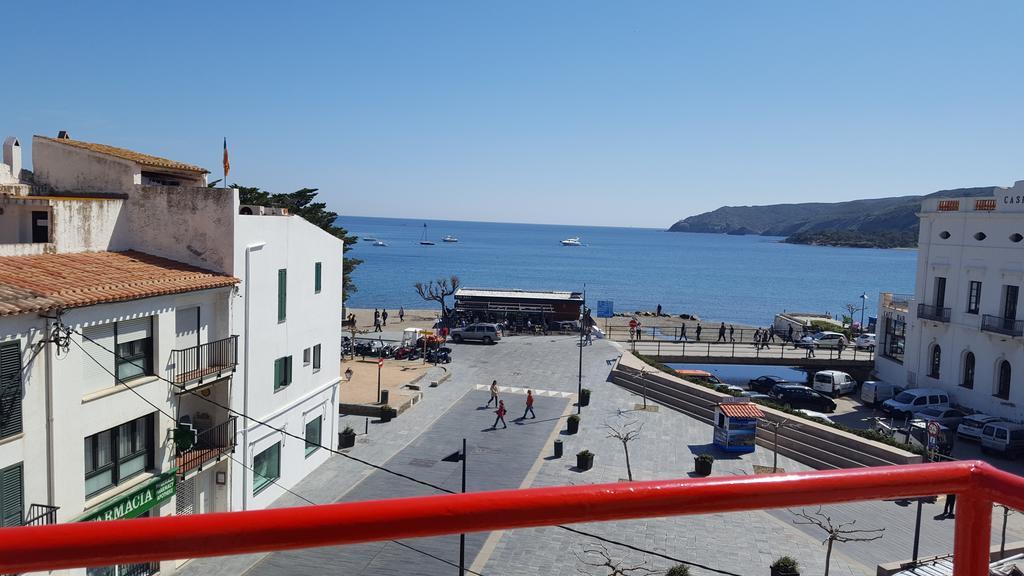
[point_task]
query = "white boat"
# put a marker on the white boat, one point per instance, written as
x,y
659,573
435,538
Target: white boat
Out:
x,y
423,239
379,243
449,238
572,242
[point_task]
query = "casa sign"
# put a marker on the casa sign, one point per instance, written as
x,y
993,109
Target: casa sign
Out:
x,y
138,501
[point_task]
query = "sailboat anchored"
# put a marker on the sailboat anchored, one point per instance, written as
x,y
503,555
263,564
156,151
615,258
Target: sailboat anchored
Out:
x,y
423,239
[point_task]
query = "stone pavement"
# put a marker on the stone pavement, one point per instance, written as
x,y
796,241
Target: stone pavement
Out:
x,y
740,543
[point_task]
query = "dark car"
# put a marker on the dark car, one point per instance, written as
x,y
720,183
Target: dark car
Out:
x,y
793,396
764,384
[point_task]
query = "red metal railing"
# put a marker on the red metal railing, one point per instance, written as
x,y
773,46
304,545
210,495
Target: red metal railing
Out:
x,y
978,485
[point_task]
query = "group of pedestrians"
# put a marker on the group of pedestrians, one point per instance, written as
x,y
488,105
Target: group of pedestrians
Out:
x,y
380,318
721,333
762,336
499,404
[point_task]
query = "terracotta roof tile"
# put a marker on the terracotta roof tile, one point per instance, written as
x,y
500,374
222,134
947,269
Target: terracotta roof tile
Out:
x,y
48,281
125,154
741,410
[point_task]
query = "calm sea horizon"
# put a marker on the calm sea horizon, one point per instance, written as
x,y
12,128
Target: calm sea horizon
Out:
x,y
741,279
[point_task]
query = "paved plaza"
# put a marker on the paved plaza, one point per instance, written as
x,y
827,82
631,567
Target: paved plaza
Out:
x,y
520,456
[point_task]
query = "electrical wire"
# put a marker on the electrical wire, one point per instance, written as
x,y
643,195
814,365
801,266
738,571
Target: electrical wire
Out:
x,y
376,466
250,468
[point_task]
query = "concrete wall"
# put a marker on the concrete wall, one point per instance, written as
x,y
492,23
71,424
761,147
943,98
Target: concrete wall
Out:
x,y
70,169
84,225
191,225
288,242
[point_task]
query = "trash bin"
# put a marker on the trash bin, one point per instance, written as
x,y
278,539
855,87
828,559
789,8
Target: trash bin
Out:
x,y
383,396
558,448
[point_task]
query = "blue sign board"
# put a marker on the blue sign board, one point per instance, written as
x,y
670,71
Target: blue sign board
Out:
x,y
605,309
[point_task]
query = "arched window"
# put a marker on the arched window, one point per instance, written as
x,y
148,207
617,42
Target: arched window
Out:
x,y
1003,388
968,379
933,369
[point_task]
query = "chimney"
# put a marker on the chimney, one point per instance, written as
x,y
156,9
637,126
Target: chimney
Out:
x,y
63,135
12,156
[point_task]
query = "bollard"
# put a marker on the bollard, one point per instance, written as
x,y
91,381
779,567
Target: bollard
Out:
x,y
367,427
558,448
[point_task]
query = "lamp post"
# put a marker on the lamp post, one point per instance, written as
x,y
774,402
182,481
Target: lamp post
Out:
x,y
863,306
579,383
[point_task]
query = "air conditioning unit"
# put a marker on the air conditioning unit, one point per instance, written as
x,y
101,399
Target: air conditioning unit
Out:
x,y
251,210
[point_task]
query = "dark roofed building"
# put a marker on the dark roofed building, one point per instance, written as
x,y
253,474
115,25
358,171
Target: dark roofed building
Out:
x,y
515,306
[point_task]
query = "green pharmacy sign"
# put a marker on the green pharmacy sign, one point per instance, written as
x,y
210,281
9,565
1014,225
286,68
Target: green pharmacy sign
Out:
x,y
136,502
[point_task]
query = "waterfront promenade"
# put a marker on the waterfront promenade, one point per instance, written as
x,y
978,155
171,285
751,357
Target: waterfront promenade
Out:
x,y
520,456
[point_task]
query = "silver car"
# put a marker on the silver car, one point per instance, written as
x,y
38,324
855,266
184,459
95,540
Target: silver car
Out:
x,y
486,333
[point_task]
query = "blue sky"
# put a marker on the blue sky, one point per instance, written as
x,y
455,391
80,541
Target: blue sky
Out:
x,y
616,113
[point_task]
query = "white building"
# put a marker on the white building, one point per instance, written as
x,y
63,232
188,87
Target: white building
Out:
x,y
222,310
962,328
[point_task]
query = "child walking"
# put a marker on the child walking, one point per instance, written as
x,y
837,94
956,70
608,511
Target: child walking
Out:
x,y
501,415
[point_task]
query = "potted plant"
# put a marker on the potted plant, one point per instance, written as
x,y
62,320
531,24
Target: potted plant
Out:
x,y
585,460
702,464
585,397
785,566
678,570
387,413
346,438
572,425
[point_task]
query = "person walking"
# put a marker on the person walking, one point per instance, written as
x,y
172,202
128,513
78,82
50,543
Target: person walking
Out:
x,y
721,333
764,338
376,324
757,339
699,330
682,333
589,336
659,311
839,348
949,510
789,337
529,405
494,394
501,415
731,331
376,315
384,316
810,349
771,333
401,314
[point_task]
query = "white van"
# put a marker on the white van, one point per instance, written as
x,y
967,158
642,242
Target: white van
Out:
x,y
1003,438
916,399
834,383
873,392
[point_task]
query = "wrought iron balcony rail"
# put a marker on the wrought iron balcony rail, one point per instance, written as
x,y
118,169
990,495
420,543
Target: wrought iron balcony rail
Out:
x,y
40,514
929,312
210,445
978,486
209,360
1000,325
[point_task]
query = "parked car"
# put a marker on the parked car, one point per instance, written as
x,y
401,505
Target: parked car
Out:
x,y
564,326
1003,438
734,389
805,342
916,399
481,332
794,396
699,376
813,414
874,392
834,383
970,427
755,396
830,339
948,417
765,383
865,342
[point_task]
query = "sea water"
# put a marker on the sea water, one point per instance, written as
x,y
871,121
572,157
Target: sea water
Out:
x,y
741,279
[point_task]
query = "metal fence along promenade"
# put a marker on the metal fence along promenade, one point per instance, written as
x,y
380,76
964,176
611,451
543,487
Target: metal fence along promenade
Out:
x,y
978,486
722,352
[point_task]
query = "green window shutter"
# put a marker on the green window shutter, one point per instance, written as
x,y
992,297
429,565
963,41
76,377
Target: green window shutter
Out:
x,y
278,373
10,389
316,357
317,277
289,375
282,294
11,496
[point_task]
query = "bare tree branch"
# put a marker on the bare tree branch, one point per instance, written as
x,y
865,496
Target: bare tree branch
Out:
x,y
836,531
438,291
597,556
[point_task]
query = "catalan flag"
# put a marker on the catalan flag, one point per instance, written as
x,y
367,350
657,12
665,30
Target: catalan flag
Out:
x,y
227,164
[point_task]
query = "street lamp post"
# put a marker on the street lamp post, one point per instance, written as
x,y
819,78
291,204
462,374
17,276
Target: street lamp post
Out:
x,y
863,306
579,383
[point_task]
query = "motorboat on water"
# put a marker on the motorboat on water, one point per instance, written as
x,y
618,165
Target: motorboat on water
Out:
x,y
379,243
572,242
369,239
423,239
449,238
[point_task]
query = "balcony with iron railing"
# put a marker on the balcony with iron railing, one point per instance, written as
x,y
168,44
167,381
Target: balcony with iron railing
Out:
x,y
207,361
40,515
211,445
1000,325
936,313
73,545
